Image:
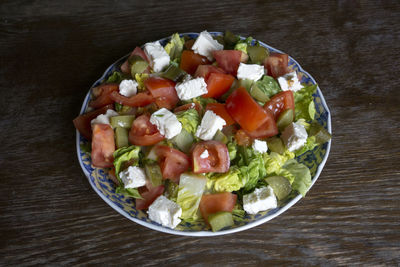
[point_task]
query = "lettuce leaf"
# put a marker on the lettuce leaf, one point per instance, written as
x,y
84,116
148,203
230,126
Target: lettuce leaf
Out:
x,y
232,149
175,46
274,161
301,174
189,119
190,191
140,78
243,44
115,77
225,182
268,86
304,102
251,166
310,144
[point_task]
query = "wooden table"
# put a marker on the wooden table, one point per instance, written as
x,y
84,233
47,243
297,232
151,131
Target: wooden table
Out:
x,y
52,51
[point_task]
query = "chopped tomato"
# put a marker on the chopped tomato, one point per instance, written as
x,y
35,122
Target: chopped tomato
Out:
x,y
220,110
276,64
213,203
103,146
149,194
138,52
196,106
102,93
163,90
190,61
280,102
82,122
172,162
218,84
267,129
205,71
242,138
143,132
138,100
245,110
215,160
228,60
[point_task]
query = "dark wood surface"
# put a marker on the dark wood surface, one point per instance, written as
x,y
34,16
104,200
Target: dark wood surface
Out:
x,y
52,51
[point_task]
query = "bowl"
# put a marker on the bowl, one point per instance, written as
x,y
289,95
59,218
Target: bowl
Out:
x,y
104,186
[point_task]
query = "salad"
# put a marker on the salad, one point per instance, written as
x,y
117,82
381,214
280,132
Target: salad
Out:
x,y
203,130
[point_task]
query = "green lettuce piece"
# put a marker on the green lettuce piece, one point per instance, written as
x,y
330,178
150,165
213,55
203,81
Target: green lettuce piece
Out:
x,y
190,191
274,161
268,85
226,182
243,44
140,78
310,144
115,77
175,46
189,119
126,154
251,166
232,149
304,102
301,174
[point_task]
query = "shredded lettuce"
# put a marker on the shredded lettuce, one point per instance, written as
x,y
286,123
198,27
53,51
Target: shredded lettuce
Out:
x,y
251,166
268,86
243,44
304,103
140,78
225,182
189,119
190,191
275,161
175,46
310,144
115,77
301,174
232,149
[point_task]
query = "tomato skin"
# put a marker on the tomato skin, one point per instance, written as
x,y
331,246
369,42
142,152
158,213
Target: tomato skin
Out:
x,y
218,84
103,146
143,132
267,129
190,61
242,138
196,106
220,110
245,110
228,60
163,90
103,93
82,122
213,203
217,160
280,102
138,52
172,162
205,71
276,64
149,194
138,100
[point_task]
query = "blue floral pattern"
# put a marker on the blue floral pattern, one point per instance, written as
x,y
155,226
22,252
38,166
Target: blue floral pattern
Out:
x,y
104,186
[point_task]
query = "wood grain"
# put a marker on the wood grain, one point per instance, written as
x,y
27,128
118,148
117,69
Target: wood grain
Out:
x,y
52,51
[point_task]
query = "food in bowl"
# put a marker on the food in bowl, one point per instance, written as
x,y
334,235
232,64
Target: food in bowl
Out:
x,y
204,130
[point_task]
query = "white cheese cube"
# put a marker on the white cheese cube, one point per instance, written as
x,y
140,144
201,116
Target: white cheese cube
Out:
x,y
205,44
128,88
191,88
290,81
294,136
210,124
104,118
167,123
133,177
159,58
260,200
165,212
260,146
205,154
252,72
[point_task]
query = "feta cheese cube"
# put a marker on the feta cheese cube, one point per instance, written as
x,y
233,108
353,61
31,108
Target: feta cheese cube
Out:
x,y
260,146
294,136
159,58
165,212
128,88
205,154
252,72
210,124
167,123
205,44
104,118
191,88
133,177
260,200
290,81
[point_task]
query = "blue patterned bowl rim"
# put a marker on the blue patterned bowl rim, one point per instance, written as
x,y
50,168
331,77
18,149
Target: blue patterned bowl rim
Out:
x,y
270,215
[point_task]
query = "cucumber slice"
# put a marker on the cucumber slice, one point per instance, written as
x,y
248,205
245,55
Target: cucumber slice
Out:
x,y
138,64
123,121
121,137
321,135
153,172
257,54
246,83
284,119
221,137
275,144
220,220
183,141
258,94
173,73
280,185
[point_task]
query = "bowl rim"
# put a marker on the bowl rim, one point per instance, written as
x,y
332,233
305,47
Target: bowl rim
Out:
x,y
205,233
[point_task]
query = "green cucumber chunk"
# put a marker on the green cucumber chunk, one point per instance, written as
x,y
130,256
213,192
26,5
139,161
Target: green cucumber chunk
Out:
x,y
153,172
284,119
275,144
280,185
257,54
258,94
183,141
121,137
138,64
173,73
230,39
221,137
220,220
123,121
246,83
321,134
